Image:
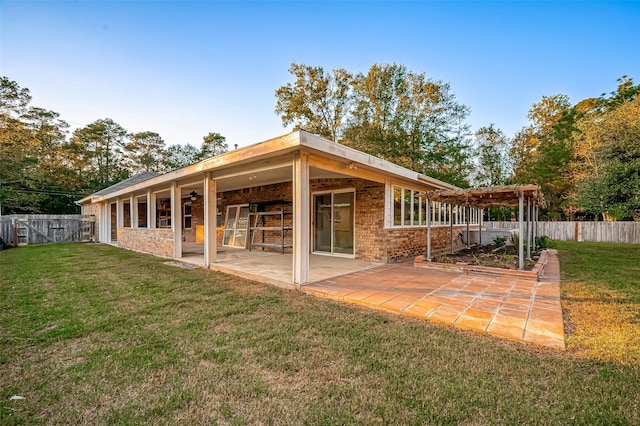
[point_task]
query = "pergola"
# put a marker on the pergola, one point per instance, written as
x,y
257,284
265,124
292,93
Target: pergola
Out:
x,y
523,196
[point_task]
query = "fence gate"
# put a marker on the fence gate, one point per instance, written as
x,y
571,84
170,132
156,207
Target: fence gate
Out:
x,y
46,229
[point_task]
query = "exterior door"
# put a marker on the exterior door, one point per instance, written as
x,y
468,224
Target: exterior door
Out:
x,y
236,226
333,223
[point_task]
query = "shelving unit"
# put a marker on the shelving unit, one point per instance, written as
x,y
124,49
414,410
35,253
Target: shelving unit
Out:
x,y
271,220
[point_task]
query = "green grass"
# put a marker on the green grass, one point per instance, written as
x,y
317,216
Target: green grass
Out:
x,y
91,334
601,298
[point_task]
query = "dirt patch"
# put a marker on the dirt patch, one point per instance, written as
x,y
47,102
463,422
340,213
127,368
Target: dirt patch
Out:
x,y
505,257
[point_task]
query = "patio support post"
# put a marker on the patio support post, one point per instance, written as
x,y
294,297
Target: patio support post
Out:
x,y
119,213
428,230
480,226
520,231
176,219
151,210
466,217
133,211
210,220
301,216
529,230
451,226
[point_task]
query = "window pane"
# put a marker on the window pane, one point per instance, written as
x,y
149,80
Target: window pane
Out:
x,y
416,209
397,205
407,207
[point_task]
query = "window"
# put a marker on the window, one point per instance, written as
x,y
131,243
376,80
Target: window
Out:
x,y
187,216
410,209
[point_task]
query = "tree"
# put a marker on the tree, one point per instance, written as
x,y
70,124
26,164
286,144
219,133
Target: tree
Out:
x,y
102,143
179,156
213,144
317,101
491,145
614,192
145,151
410,120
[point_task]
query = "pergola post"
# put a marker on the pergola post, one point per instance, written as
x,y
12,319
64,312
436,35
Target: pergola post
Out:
x,y
466,217
529,226
451,226
520,230
428,230
480,226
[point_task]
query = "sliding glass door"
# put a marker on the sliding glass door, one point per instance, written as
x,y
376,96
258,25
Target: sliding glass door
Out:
x,y
333,222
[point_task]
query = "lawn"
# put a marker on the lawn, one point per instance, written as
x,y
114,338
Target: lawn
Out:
x,y
91,334
601,299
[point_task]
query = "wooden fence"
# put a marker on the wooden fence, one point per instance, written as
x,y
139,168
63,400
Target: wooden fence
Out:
x,y
46,229
601,232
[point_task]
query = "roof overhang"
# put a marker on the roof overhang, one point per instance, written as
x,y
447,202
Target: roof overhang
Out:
x,y
271,161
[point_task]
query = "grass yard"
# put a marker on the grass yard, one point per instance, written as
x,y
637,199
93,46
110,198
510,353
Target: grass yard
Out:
x,y
91,334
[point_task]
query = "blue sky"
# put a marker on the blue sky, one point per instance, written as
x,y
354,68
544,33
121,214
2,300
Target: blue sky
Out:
x,y
184,69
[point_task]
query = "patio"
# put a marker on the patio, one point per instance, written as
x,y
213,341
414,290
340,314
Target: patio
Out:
x,y
500,306
505,307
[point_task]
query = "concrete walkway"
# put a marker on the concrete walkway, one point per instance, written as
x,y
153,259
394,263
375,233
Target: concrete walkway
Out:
x,y
500,306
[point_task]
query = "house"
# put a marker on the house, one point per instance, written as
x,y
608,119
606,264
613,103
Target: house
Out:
x,y
298,194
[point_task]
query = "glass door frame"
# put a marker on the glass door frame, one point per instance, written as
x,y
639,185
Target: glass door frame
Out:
x,y
235,230
313,224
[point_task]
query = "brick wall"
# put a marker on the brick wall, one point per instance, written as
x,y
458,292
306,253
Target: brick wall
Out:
x,y
93,209
158,242
407,243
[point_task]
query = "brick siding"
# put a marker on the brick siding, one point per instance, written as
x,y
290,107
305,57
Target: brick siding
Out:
x,y
158,242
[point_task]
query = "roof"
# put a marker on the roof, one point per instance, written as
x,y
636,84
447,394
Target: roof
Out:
x,y
141,177
274,154
492,196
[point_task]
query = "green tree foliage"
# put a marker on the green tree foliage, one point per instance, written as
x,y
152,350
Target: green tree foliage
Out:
x,y
615,190
567,150
317,101
491,167
390,112
33,166
179,156
145,151
213,144
102,143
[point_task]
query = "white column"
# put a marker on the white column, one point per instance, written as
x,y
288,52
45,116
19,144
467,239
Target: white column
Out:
x,y
176,219
133,211
210,220
301,215
428,230
105,223
529,230
119,213
521,232
151,210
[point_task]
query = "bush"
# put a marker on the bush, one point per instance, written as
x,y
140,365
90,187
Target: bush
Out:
x,y
499,241
544,242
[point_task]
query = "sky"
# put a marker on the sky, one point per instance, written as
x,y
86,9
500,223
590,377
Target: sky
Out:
x,y
187,68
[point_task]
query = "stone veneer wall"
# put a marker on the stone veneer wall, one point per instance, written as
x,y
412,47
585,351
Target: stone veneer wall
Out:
x,y
93,209
157,241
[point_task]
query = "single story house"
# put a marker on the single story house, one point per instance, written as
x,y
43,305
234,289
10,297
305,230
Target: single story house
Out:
x,y
298,194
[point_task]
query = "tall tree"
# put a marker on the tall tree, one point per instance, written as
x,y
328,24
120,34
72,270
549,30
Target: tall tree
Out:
x,y
145,151
614,191
491,167
102,142
411,120
213,144
179,156
317,101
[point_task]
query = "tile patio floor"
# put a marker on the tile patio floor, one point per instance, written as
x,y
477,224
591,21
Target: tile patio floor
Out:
x,y
500,306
